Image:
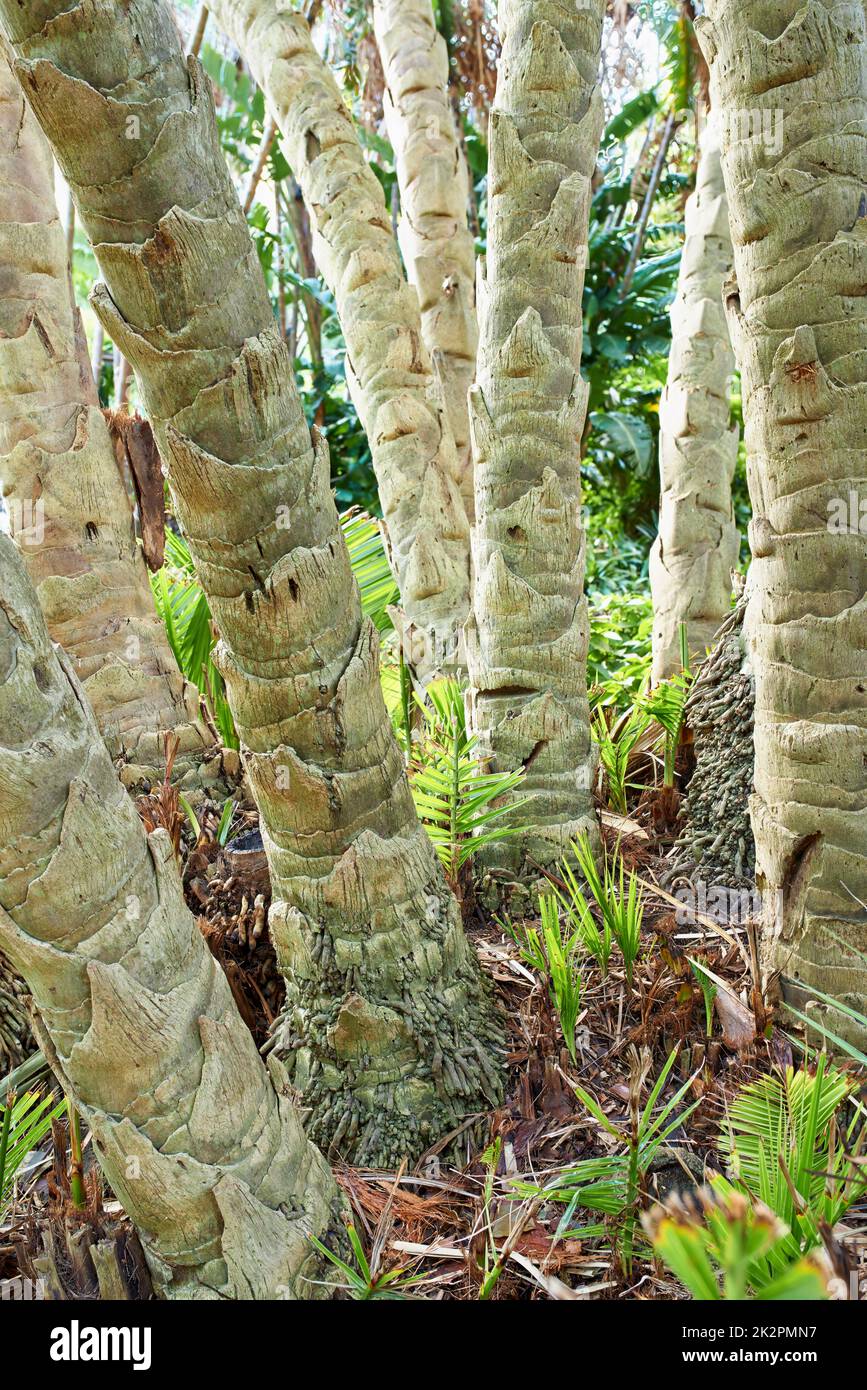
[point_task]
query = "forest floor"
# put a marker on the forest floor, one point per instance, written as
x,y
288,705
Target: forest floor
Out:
x,y
473,1227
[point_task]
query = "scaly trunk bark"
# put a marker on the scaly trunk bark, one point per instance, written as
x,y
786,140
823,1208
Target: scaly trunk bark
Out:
x,y
715,844
789,85
66,504
438,250
199,1140
398,399
527,642
389,1024
16,1037
698,543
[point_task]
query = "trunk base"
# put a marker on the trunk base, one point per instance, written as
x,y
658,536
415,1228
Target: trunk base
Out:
x,y
389,1033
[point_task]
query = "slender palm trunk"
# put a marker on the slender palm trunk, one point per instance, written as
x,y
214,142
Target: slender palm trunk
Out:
x,y
388,369
438,249
698,543
528,640
197,1137
789,85
65,502
388,1024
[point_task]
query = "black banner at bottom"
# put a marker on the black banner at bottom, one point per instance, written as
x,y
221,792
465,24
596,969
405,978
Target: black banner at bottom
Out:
x,y
156,1338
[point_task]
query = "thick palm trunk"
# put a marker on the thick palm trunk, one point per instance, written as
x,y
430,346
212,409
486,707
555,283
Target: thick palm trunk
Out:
x,y
387,1016
388,369
437,247
198,1139
789,85
528,652
698,543
66,503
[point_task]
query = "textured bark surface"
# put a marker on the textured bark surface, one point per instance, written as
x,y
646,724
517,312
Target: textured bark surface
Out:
x,y
698,544
789,84
716,842
66,504
398,399
388,1024
435,241
16,1037
527,643
201,1142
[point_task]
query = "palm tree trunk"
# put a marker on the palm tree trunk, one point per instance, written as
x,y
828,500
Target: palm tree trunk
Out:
x,y
65,501
388,370
437,247
789,85
196,1136
528,639
698,543
389,1025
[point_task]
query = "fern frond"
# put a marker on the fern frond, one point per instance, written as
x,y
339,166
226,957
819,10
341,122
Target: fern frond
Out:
x,y
463,807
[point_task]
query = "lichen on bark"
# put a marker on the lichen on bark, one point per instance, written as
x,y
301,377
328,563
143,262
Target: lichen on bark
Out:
x,y
527,640
367,933
789,86
200,1140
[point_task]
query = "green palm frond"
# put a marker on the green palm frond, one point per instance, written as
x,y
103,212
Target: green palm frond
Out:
x,y
715,1243
666,703
183,607
612,1185
363,536
679,60
617,738
788,1145
462,807
24,1122
618,897
552,951
361,1282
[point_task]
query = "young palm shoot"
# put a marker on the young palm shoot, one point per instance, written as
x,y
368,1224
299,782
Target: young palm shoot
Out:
x,y
613,1184
554,954
460,805
595,939
224,828
619,899
492,1266
616,743
362,1283
667,704
708,991
715,1245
